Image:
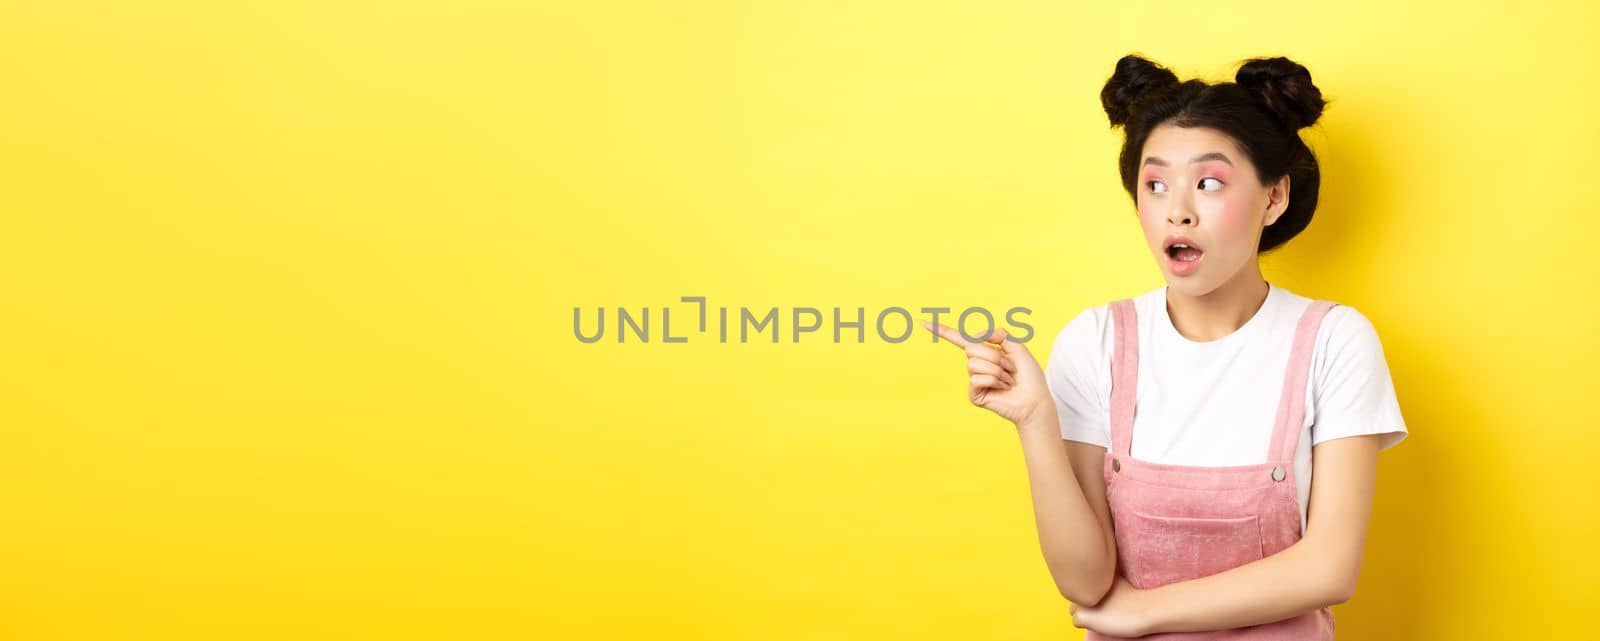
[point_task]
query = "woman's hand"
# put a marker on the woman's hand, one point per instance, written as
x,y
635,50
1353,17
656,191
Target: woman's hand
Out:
x,y
1002,376
1123,612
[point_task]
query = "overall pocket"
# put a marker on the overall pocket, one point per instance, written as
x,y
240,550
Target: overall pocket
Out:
x,y
1155,550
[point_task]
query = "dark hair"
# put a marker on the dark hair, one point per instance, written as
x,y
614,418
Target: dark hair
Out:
x,y
1270,100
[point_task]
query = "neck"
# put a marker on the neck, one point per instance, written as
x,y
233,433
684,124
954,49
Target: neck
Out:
x,y
1221,311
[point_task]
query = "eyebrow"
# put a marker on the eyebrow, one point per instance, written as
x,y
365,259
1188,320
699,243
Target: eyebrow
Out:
x,y
1152,160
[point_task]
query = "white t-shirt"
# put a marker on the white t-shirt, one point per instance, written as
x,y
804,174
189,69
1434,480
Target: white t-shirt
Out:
x,y
1213,403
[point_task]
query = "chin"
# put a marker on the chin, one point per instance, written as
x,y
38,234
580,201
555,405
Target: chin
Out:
x,y
1184,287
1191,286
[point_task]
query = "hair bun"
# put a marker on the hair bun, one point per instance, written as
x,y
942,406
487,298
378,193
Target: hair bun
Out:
x,y
1135,79
1285,87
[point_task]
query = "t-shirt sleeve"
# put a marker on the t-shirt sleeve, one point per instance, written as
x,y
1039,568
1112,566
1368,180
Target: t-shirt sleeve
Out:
x,y
1079,388
1354,393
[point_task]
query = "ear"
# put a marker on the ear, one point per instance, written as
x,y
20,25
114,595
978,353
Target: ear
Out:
x,y
1277,200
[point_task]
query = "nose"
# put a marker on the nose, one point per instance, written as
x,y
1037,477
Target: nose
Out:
x,y
1181,211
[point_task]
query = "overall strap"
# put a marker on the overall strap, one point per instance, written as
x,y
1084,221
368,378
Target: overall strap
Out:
x,y
1292,401
1124,375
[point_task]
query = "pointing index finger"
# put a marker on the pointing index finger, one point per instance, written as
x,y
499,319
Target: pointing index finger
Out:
x,y
948,334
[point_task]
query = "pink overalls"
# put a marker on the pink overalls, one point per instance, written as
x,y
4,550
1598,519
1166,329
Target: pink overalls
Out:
x,y
1177,523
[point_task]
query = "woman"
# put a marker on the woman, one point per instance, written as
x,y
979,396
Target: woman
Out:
x,y
1207,525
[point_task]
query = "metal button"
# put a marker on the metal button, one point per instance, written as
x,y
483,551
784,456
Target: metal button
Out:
x,y
1277,474
1116,465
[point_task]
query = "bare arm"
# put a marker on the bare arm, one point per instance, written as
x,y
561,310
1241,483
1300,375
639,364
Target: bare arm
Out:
x,y
1066,478
1319,570
1067,481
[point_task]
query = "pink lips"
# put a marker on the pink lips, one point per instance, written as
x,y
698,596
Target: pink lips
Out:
x,y
1184,267
1183,261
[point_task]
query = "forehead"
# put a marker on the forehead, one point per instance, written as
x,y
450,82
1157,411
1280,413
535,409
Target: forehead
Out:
x,y
1177,145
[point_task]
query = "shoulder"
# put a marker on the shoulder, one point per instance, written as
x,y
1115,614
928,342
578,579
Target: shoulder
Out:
x,y
1347,347
1341,327
1091,330
1084,328
1352,390
1345,327
1087,338
1080,341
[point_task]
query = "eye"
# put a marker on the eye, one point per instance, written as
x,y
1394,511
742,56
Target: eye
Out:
x,y
1152,183
1203,183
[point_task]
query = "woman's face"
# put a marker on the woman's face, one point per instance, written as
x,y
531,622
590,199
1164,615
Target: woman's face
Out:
x,y
1195,182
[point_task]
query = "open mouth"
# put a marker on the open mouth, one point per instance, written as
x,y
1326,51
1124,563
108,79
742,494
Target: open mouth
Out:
x,y
1183,258
1183,253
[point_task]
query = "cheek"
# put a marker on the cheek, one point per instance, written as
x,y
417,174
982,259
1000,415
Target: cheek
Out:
x,y
1147,212
1235,213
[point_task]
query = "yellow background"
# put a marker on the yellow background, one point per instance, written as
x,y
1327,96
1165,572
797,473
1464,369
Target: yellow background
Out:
x,y
288,288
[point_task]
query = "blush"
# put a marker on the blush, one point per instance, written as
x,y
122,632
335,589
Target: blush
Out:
x,y
1236,209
